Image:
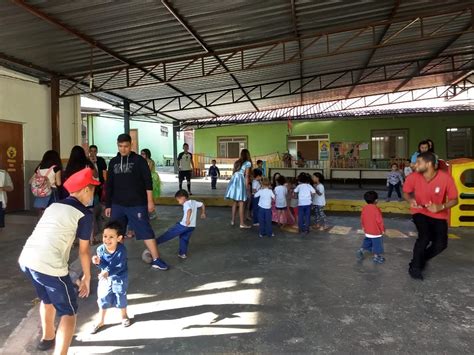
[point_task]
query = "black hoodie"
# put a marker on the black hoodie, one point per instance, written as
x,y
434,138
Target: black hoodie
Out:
x,y
128,180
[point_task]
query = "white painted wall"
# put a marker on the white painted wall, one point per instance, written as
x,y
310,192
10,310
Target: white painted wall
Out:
x,y
24,100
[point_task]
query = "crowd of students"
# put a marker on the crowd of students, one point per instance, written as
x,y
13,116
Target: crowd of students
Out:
x,y
128,196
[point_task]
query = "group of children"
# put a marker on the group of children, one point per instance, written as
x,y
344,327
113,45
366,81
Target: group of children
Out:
x,y
288,202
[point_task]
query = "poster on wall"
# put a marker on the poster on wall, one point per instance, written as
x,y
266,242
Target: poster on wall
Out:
x,y
323,150
344,154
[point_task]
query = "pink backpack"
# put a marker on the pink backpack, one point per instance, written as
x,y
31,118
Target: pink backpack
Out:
x,y
40,184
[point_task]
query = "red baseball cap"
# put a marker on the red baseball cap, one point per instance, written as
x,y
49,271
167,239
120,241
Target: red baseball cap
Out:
x,y
81,179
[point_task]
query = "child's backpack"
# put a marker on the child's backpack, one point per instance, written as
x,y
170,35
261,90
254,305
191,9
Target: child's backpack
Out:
x,y
40,184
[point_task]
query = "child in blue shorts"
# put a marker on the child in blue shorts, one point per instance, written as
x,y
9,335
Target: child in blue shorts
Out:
x,y
185,228
111,258
44,259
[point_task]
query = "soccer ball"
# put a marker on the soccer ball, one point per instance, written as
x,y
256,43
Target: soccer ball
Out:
x,y
146,256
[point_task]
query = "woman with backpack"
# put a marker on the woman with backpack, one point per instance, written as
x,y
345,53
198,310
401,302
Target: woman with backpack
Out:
x,y
46,180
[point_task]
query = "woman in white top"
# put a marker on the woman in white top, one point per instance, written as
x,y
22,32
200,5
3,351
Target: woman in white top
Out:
x,y
51,167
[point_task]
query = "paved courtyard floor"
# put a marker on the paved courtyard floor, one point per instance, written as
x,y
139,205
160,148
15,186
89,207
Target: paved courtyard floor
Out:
x,y
240,294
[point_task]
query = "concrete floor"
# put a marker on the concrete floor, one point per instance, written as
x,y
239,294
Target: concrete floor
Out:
x,y
202,187
240,294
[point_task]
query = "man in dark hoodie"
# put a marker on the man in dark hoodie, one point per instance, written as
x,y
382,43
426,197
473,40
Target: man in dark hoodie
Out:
x,y
130,195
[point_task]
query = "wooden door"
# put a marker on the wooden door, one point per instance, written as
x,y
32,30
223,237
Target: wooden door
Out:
x,y
11,160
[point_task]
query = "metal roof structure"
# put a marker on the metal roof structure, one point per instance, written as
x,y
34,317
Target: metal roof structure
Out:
x,y
179,60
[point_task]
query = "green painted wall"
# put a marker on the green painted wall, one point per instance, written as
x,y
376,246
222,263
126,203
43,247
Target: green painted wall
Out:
x,y
269,138
104,133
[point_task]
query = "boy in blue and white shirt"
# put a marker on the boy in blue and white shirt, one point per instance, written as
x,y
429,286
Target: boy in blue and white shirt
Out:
x,y
265,196
185,228
111,259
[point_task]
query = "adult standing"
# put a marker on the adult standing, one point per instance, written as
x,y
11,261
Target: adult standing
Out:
x,y
431,193
99,164
6,185
50,167
185,166
238,189
77,161
423,147
130,196
146,154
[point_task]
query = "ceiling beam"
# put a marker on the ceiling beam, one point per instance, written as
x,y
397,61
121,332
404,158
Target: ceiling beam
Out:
x,y
294,21
393,12
205,46
438,52
96,44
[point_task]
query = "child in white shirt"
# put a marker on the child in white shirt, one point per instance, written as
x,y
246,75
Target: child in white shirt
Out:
x,y
256,186
265,196
281,197
185,228
319,201
305,193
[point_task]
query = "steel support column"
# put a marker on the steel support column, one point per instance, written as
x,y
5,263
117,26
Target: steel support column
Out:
x,y
175,147
55,137
126,116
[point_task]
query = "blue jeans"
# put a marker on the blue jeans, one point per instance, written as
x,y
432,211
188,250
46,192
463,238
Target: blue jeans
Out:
x,y
213,182
374,245
304,218
265,221
255,209
178,230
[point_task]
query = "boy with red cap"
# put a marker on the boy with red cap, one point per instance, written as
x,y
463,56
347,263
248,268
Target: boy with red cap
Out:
x,y
44,259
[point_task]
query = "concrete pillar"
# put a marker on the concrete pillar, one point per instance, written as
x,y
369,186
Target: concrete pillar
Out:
x,y
126,116
175,146
55,138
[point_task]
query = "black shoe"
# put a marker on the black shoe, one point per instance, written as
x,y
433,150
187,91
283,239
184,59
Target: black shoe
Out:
x,y
415,273
44,345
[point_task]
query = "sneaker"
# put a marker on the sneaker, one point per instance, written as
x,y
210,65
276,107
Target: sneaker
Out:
x,y
260,236
256,224
415,273
378,259
182,256
44,345
159,264
360,254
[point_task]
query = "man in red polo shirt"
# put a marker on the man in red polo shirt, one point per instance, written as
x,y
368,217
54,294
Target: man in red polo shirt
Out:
x,y
431,193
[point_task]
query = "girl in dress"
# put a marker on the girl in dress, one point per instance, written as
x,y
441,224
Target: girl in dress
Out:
x,y
146,154
238,189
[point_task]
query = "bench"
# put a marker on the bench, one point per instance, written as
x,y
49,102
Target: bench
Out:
x,y
168,160
359,174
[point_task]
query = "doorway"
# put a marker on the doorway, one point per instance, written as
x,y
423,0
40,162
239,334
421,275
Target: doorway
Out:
x,y
11,160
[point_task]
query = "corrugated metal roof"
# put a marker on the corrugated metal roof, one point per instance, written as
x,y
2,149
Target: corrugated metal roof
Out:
x,y
146,32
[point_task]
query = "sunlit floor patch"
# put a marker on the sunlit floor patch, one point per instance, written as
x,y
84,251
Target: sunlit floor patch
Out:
x,y
163,319
453,236
341,230
83,350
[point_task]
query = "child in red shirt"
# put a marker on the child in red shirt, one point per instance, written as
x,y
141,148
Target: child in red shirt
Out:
x,y
372,224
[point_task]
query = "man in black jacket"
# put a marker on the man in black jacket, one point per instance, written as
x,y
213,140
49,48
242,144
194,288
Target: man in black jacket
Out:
x,y
130,196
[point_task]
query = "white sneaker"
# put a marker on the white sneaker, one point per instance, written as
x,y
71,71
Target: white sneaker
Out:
x,y
182,256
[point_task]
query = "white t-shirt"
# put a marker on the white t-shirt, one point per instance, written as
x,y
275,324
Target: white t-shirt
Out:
x,y
47,249
5,181
319,200
193,206
256,185
266,196
407,171
281,194
305,192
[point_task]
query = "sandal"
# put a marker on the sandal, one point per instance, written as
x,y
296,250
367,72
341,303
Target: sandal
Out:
x,y
97,328
126,322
